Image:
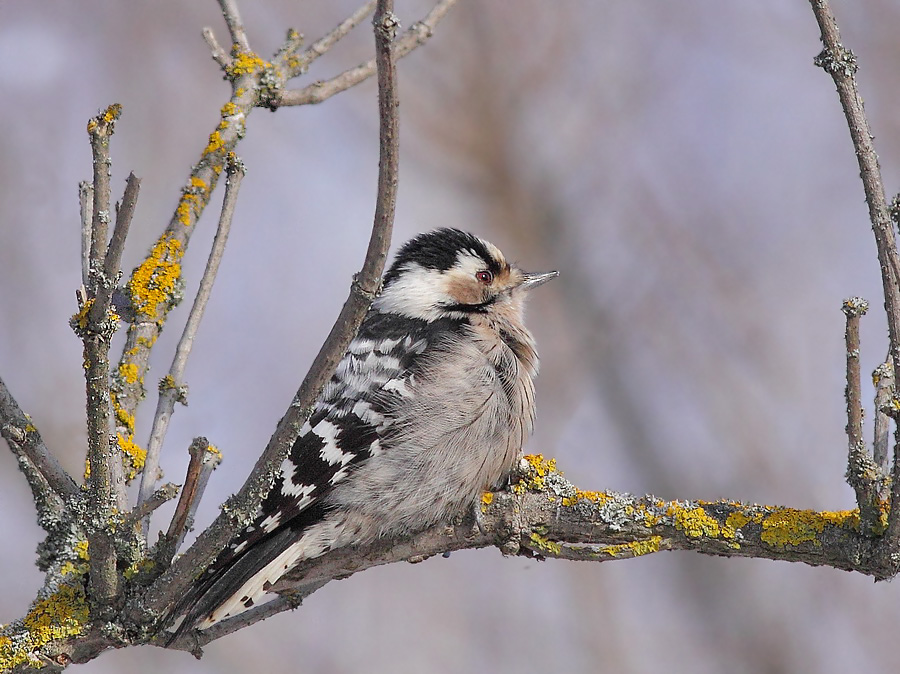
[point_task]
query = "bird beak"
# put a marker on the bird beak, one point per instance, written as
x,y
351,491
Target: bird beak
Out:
x,y
535,280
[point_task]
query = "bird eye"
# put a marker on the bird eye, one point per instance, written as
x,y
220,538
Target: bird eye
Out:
x,y
484,276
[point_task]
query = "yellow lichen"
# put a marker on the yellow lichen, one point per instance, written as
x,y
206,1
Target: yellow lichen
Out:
x,y
129,372
112,113
155,280
81,318
62,615
123,417
133,455
787,526
596,497
536,469
695,523
633,549
229,109
546,544
140,566
486,499
215,143
244,63
651,519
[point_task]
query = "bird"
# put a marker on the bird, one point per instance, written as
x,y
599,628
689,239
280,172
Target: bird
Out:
x,y
429,407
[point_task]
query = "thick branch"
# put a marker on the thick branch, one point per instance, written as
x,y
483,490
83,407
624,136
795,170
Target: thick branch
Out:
x,y
546,516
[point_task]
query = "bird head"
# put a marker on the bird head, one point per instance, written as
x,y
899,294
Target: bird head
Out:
x,y
449,273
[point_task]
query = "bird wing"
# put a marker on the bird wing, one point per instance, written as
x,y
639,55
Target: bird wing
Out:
x,y
347,427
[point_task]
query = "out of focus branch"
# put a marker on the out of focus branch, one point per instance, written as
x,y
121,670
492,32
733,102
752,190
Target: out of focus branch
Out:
x,y
317,92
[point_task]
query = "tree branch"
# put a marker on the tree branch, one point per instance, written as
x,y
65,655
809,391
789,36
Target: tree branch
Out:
x,y
24,440
320,47
840,63
95,323
86,202
204,460
883,379
172,388
545,516
235,24
317,92
240,509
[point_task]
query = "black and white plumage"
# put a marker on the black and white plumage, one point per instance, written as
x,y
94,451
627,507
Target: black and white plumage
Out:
x,y
429,407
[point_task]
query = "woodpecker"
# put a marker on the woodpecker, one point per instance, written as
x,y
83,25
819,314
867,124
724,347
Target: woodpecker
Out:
x,y
429,407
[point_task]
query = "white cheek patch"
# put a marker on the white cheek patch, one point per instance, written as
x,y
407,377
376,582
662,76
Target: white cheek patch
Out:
x,y
417,292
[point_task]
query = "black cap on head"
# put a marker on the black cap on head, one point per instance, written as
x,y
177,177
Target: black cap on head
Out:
x,y
439,250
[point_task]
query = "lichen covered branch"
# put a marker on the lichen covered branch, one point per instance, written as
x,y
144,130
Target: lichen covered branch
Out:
x,y
543,515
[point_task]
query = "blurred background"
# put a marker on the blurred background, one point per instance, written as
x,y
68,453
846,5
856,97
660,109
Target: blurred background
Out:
x,y
687,169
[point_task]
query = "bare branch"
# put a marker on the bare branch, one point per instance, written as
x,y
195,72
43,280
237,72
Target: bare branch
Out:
x,y
853,309
86,201
862,473
219,55
100,129
172,387
841,64
235,24
321,46
204,460
162,495
240,508
95,324
317,92
124,214
25,440
883,379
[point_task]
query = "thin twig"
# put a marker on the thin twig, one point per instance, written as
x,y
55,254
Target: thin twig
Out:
x,y
853,309
124,215
326,42
162,495
317,92
172,388
23,438
883,379
841,64
100,129
86,202
204,460
219,55
177,578
862,473
235,25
